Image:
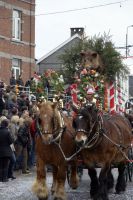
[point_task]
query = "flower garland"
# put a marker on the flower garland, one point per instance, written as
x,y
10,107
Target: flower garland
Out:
x,y
53,82
49,81
90,79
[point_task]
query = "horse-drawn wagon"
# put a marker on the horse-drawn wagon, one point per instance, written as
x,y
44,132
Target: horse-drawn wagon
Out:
x,y
57,143
91,139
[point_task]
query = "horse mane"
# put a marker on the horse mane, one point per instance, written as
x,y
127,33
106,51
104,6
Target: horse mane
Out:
x,y
52,110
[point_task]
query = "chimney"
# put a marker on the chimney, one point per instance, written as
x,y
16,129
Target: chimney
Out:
x,y
78,30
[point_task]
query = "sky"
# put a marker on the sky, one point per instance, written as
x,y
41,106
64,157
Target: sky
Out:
x,y
54,18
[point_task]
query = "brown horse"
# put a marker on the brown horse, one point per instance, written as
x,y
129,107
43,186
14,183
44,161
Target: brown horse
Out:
x,y
105,141
54,144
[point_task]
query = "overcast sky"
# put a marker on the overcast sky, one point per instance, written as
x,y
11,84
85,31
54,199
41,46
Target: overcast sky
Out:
x,y
96,16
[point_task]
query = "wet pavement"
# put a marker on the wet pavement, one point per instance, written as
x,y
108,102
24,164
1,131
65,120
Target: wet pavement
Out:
x,y
20,188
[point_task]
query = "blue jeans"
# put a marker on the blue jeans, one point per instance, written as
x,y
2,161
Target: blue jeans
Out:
x,y
31,158
11,165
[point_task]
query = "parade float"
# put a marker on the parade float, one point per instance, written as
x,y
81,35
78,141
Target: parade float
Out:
x,y
94,63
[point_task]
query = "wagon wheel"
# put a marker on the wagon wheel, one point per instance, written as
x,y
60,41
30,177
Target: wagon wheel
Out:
x,y
129,166
130,171
126,174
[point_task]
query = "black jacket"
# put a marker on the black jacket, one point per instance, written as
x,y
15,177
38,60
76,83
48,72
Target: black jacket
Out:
x,y
5,142
19,81
23,135
12,81
22,103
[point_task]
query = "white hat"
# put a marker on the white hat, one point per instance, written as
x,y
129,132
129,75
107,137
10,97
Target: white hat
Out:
x,y
91,91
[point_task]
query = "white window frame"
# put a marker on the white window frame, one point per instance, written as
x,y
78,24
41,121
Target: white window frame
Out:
x,y
16,67
16,25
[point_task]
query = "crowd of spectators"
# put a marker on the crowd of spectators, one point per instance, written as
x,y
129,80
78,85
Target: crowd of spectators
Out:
x,y
17,131
18,113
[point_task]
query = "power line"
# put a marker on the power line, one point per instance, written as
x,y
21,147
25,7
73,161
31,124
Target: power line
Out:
x,y
78,9
74,10
124,47
123,57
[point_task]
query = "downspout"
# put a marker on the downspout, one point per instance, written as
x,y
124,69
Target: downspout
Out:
x,y
30,42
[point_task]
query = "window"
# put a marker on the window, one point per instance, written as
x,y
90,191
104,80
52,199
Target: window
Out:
x,y
16,25
16,66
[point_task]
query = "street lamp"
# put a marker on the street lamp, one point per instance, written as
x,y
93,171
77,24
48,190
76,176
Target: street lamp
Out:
x,y
127,39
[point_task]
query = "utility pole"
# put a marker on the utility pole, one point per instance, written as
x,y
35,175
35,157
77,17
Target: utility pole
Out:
x,y
127,40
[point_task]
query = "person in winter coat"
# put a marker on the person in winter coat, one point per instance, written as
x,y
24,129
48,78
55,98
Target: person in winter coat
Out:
x,y
13,80
22,103
13,127
23,142
5,150
12,103
31,161
2,102
19,81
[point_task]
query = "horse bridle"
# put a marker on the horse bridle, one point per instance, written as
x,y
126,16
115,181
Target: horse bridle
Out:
x,y
102,132
56,140
57,133
93,139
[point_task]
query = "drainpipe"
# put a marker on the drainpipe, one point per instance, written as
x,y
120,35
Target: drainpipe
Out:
x,y
30,42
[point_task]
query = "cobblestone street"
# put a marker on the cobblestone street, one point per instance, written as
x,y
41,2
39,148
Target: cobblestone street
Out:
x,y
20,189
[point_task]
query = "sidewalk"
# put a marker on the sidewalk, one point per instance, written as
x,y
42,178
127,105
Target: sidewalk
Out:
x,y
20,188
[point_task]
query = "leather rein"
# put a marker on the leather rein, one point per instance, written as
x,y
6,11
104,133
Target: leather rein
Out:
x,y
57,133
56,140
96,137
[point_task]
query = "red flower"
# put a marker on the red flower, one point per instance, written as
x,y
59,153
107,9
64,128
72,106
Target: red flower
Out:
x,y
96,88
84,71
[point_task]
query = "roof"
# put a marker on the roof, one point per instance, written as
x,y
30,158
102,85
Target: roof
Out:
x,y
58,47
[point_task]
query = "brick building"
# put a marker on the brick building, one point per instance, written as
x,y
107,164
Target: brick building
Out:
x,y
17,39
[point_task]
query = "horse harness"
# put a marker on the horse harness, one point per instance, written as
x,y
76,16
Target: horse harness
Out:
x,y
57,133
95,138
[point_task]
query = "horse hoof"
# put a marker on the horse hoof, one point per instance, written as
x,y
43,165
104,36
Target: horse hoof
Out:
x,y
119,192
52,192
59,198
95,197
110,191
74,187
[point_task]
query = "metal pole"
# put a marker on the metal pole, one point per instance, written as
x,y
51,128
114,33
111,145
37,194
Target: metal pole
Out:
x,y
126,42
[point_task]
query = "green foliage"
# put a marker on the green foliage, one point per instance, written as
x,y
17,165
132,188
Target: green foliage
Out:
x,y
49,79
56,83
71,59
38,88
111,58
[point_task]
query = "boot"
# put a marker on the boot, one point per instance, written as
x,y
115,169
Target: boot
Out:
x,y
5,174
0,175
